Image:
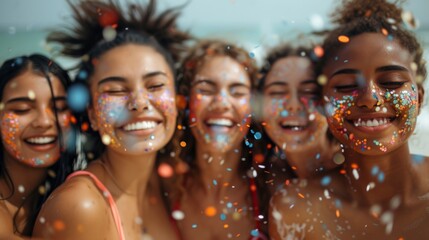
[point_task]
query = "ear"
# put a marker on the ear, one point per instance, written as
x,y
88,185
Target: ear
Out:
x,y
421,92
92,118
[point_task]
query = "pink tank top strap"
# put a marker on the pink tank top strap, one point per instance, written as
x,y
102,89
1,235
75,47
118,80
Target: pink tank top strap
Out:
x,y
106,194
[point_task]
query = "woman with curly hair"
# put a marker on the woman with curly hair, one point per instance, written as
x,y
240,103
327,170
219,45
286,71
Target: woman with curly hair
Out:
x,y
372,72
128,65
297,136
36,148
220,197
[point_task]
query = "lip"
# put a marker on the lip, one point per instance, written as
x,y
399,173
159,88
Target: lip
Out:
x,y
141,126
37,142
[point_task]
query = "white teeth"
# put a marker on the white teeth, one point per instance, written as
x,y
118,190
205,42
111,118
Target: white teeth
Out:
x,y
221,122
294,125
140,125
40,140
371,123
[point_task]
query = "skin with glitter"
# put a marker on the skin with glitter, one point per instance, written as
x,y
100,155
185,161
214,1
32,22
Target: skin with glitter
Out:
x,y
372,100
219,104
116,99
28,115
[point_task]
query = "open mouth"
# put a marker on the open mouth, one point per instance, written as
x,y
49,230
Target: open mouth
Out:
x,y
40,140
374,122
142,125
293,126
219,122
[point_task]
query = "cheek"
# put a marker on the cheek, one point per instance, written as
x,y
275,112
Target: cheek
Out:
x,y
10,130
337,108
110,109
165,103
405,103
274,108
244,105
195,104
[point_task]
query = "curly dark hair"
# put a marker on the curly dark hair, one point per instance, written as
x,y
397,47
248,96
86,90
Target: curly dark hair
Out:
x,y
41,65
354,17
134,24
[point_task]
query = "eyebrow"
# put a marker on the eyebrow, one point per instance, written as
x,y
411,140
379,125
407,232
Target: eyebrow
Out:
x,y
122,79
29,100
279,83
391,68
239,85
345,71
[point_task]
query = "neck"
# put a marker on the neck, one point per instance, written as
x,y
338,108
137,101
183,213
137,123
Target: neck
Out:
x,y
218,169
377,179
130,173
26,180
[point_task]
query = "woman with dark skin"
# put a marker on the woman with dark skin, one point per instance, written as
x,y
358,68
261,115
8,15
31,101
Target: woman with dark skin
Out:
x,y
220,197
34,121
130,76
373,93
296,132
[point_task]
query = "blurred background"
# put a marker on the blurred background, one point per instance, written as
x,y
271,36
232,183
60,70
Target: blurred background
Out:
x,y
256,25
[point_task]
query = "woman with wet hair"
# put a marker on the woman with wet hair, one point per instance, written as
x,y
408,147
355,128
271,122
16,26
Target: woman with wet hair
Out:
x,y
128,58
372,72
297,137
36,147
220,197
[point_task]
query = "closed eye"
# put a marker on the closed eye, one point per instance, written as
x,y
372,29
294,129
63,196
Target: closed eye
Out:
x,y
346,88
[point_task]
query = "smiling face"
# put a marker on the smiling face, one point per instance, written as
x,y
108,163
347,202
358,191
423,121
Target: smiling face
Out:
x,y
219,105
289,100
371,98
133,99
28,129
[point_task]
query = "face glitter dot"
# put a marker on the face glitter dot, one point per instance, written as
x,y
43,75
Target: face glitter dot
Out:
x,y
106,139
210,211
31,95
178,215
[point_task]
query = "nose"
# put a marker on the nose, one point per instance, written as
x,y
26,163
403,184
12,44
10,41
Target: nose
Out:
x,y
221,102
44,119
369,96
293,104
139,102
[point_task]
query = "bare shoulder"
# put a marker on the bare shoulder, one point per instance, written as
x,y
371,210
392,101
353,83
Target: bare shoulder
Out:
x,y
6,224
299,210
75,210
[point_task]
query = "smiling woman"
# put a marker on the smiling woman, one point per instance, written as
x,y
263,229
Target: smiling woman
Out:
x,y
34,122
372,96
220,197
129,70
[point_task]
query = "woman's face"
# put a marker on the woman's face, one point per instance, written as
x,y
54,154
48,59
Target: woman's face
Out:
x,y
28,125
371,97
289,103
133,99
219,105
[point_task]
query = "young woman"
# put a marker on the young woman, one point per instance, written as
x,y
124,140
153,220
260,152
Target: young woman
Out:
x,y
220,198
130,76
373,94
34,123
296,131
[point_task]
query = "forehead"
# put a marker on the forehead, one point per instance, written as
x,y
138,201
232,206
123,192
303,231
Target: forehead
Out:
x,y
28,82
222,69
130,60
290,69
368,51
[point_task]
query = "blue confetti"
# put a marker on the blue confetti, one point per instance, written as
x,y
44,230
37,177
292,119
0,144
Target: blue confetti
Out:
x,y
258,135
78,97
222,217
326,180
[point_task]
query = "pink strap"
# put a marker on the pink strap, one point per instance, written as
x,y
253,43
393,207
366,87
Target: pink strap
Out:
x,y
107,194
